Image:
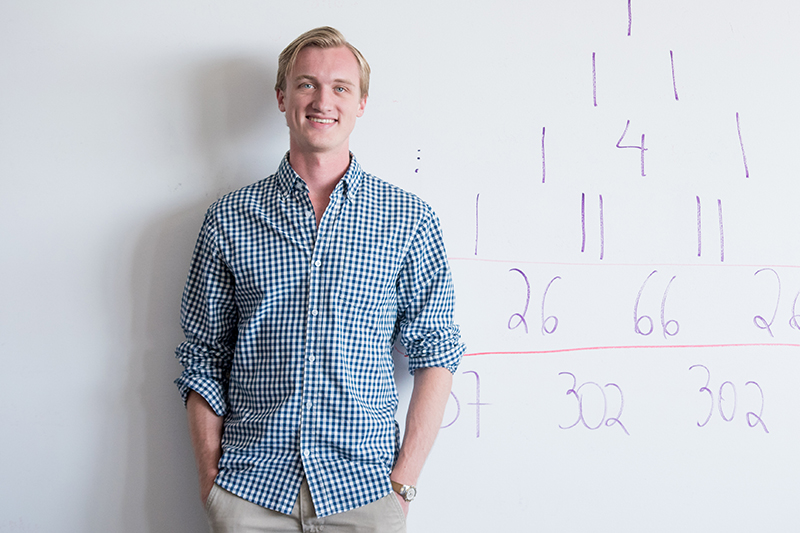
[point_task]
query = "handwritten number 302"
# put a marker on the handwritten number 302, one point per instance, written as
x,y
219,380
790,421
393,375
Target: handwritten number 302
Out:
x,y
575,390
753,419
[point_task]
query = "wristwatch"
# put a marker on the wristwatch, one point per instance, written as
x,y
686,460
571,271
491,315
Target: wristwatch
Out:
x,y
408,492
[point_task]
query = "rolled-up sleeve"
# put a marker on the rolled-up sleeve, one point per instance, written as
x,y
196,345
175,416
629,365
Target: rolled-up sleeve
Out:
x,y
426,302
209,318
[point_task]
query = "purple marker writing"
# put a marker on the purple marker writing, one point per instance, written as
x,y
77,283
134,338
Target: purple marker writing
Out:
x,y
544,172
672,64
630,18
741,144
759,320
641,147
594,78
477,403
521,316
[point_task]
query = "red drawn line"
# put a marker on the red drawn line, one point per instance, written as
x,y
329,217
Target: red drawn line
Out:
x,y
674,346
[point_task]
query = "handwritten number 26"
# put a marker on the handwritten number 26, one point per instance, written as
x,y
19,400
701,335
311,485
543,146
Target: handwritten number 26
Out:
x,y
520,319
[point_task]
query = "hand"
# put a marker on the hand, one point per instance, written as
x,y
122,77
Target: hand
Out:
x,y
403,503
205,429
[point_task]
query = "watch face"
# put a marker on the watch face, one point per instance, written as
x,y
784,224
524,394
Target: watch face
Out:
x,y
410,494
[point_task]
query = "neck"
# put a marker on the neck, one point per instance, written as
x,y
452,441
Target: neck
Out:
x,y
321,172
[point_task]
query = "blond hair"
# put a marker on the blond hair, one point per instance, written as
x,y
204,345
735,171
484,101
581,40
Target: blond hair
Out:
x,y
323,37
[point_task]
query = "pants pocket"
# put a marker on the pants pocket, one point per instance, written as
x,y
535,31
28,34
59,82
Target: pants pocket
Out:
x,y
211,496
395,503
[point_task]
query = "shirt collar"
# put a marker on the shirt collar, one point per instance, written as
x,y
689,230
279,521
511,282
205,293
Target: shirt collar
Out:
x,y
288,180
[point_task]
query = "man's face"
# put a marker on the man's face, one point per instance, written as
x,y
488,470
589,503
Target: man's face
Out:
x,y
322,100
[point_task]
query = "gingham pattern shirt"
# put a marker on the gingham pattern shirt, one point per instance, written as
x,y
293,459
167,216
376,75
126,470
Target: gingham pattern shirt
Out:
x,y
290,330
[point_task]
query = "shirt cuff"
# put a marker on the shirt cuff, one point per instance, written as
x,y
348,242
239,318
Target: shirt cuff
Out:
x,y
447,353
211,391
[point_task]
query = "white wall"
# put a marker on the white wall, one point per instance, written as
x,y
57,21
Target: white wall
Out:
x,y
120,122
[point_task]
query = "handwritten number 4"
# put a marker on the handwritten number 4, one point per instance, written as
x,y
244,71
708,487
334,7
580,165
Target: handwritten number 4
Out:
x,y
640,147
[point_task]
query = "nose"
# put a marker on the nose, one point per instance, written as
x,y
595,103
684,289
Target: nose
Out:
x,y
322,100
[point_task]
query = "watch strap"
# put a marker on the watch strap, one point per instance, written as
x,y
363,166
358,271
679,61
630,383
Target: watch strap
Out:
x,y
408,492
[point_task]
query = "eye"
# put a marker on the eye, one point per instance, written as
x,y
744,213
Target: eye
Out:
x,y
307,86
340,89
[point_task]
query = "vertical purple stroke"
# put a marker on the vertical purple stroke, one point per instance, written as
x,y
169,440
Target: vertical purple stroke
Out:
x,y
629,18
477,403
721,233
594,79
642,158
477,199
741,143
699,229
583,222
602,230
672,64
543,165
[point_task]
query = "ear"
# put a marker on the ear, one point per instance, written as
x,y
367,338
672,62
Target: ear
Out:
x,y
361,105
280,96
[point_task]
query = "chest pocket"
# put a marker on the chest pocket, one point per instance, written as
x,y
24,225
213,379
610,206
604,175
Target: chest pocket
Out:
x,y
368,275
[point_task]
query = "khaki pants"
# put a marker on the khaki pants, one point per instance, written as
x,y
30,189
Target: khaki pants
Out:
x,y
228,513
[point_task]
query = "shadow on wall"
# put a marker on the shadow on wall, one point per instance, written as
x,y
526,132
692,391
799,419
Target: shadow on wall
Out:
x,y
237,123
166,460
240,133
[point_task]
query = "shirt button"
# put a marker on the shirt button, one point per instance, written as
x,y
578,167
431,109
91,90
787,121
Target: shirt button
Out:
x,y
311,358
307,453
317,263
314,312
309,213
308,404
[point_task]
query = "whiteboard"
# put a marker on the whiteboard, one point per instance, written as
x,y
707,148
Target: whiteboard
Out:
x,y
617,186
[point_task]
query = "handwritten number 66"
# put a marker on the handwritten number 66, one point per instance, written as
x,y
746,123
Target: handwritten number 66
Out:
x,y
668,327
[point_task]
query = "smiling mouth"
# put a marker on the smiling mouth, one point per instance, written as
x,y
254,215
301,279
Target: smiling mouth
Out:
x,y
321,120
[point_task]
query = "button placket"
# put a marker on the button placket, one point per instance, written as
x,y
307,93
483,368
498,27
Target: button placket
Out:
x,y
310,370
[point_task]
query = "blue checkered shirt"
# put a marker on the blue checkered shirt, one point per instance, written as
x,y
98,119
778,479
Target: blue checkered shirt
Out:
x,y
290,330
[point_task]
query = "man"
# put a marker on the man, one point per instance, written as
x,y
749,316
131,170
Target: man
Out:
x,y
298,288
